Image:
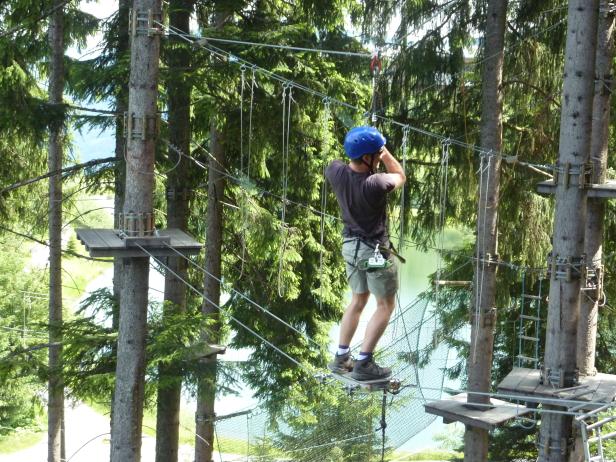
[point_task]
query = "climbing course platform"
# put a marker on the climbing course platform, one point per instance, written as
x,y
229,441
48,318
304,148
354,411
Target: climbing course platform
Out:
x,y
600,191
113,243
525,382
488,417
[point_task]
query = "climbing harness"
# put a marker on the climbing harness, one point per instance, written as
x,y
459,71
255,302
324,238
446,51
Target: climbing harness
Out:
x,y
377,261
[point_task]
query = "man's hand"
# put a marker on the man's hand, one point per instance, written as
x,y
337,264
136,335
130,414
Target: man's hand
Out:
x,y
393,167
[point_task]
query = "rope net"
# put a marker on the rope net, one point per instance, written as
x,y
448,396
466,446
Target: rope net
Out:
x,y
347,424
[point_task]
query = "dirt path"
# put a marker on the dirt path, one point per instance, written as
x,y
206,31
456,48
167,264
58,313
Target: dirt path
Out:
x,y
88,441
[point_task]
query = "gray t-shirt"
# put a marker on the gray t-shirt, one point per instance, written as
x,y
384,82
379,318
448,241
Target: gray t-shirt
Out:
x,y
362,197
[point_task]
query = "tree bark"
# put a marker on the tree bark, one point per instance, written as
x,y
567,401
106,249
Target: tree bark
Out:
x,y
204,442
484,288
595,214
55,410
121,106
130,369
179,90
568,236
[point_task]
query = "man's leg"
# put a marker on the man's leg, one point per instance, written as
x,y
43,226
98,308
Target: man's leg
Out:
x,y
378,322
351,316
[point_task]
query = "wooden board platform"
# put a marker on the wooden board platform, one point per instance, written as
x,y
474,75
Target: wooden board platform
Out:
x,y
205,350
455,409
107,243
524,382
389,384
602,191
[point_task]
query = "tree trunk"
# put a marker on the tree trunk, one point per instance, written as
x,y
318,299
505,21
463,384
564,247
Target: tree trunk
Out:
x,y
204,442
483,319
595,214
568,237
121,106
179,89
55,408
142,113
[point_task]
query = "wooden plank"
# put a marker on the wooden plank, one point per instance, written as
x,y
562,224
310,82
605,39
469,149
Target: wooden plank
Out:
x,y
106,243
513,379
530,382
456,409
598,191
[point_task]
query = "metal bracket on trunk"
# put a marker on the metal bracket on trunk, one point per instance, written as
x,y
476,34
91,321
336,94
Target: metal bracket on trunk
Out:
x,y
561,447
144,23
137,224
141,128
558,378
573,175
593,281
488,259
179,193
565,268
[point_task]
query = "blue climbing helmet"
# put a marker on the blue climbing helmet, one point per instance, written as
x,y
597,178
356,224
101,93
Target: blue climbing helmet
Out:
x,y
363,140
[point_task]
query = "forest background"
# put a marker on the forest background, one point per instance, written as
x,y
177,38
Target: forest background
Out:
x,y
431,80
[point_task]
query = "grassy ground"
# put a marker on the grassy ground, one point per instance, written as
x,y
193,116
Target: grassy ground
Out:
x,y
428,454
187,433
24,438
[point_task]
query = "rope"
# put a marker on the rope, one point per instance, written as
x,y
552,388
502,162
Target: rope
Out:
x,y
480,261
244,205
222,310
404,147
263,191
284,232
325,118
281,47
244,296
443,188
229,57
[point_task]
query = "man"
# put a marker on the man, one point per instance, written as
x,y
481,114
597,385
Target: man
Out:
x,y
362,197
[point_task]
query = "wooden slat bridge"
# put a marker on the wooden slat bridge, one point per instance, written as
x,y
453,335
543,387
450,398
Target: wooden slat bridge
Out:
x,y
110,243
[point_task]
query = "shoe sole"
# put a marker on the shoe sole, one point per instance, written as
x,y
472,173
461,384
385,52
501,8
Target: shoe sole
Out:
x,y
338,370
367,378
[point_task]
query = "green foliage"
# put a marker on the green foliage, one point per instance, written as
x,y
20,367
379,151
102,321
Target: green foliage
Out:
x,y
22,309
326,414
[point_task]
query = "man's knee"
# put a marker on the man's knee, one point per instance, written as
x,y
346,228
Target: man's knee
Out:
x,y
386,303
359,301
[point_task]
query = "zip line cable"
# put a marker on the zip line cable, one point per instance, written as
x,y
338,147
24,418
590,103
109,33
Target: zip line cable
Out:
x,y
310,208
242,295
229,57
282,47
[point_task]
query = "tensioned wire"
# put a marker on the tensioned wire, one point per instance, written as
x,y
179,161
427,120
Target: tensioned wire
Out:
x,y
235,59
406,241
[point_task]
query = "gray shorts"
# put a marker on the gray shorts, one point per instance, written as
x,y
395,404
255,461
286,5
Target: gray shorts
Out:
x,y
381,282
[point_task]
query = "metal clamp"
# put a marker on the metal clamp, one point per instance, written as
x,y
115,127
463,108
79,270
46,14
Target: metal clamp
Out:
x,y
205,418
179,193
145,23
558,378
487,317
137,224
141,128
565,268
561,448
489,259
567,174
593,281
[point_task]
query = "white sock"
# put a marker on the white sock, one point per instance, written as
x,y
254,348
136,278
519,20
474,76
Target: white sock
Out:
x,y
343,351
363,356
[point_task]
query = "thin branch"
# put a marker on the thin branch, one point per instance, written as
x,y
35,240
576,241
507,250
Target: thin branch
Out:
x,y
68,252
58,172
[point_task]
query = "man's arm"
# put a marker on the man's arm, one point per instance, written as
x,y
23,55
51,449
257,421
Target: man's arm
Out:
x,y
395,173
